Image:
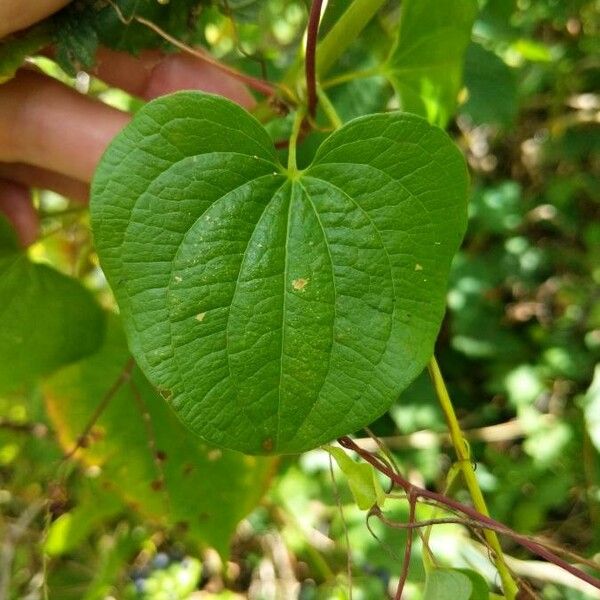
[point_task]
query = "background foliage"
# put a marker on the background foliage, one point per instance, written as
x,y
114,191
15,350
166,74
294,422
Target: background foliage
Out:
x,y
518,347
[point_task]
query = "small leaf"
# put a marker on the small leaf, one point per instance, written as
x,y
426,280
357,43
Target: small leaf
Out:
x,y
143,453
314,315
480,589
363,482
425,65
48,319
443,584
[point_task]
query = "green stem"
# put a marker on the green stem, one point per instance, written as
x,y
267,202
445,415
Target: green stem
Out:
x,y
344,32
464,459
351,76
450,481
296,128
329,109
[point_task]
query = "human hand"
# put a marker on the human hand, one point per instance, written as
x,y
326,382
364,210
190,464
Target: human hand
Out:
x,y
52,137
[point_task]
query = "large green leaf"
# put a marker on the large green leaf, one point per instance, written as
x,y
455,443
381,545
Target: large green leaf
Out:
x,y
426,63
277,310
152,461
48,319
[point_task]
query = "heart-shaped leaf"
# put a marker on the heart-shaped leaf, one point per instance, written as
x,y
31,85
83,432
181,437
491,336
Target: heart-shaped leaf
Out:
x,y
275,309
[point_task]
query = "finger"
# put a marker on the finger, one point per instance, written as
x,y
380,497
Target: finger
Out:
x,y
18,14
46,124
15,204
37,177
154,74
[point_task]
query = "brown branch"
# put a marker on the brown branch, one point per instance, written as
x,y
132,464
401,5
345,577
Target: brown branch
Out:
x,y
259,85
486,522
423,439
158,456
38,430
112,390
311,56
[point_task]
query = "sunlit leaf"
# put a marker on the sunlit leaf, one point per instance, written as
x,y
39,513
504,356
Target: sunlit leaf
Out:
x,y
146,455
426,63
363,482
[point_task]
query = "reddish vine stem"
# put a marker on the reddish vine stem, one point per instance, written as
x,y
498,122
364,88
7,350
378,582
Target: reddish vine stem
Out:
x,y
310,59
418,492
412,505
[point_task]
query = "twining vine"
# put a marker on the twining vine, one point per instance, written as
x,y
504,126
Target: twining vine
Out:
x,y
318,59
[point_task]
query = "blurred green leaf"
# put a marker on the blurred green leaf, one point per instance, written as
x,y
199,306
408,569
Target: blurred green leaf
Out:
x,y
480,589
49,320
146,455
443,584
591,408
492,88
70,529
426,63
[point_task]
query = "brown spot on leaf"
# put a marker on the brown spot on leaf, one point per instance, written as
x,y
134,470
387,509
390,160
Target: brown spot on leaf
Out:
x,y
268,444
157,485
299,284
214,454
97,433
161,455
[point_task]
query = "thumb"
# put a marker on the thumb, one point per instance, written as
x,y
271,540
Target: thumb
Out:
x,y
18,14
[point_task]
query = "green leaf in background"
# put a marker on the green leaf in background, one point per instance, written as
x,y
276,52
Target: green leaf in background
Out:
x,y
277,310
15,49
159,467
48,319
446,584
426,63
492,88
94,506
480,590
591,409
363,482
